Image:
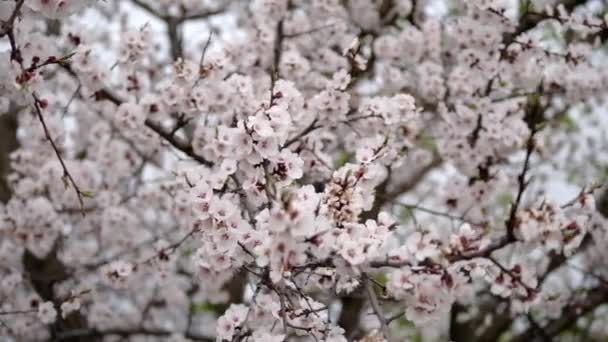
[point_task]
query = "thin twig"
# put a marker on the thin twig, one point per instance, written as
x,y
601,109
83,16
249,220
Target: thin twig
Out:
x,y
202,72
66,173
313,126
373,299
17,312
432,211
309,31
522,184
167,251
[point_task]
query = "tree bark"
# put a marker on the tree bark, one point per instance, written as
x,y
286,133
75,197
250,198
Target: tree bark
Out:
x,y
42,273
8,143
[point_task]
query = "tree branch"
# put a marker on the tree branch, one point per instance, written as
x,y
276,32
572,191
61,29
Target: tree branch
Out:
x,y
570,314
373,299
179,144
89,333
66,173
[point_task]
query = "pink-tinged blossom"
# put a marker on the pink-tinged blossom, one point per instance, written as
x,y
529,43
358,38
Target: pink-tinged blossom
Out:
x,y
134,45
129,116
47,313
231,320
116,274
56,9
70,306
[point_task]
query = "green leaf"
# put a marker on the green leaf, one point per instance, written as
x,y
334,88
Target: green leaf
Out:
x,y
342,158
404,323
205,307
603,173
534,98
66,181
550,33
187,251
587,109
428,143
405,215
505,199
505,337
381,279
87,193
455,12
286,196
566,121
525,6
534,111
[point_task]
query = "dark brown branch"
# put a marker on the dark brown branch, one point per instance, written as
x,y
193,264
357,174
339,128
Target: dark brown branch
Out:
x,y
529,20
66,173
179,144
167,251
412,181
539,330
373,299
522,184
174,36
183,146
310,128
7,30
146,7
90,333
174,25
202,15
277,50
431,211
17,312
8,143
309,31
570,314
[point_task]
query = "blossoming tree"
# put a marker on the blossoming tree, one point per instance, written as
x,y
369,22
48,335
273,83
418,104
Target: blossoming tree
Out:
x,y
292,170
